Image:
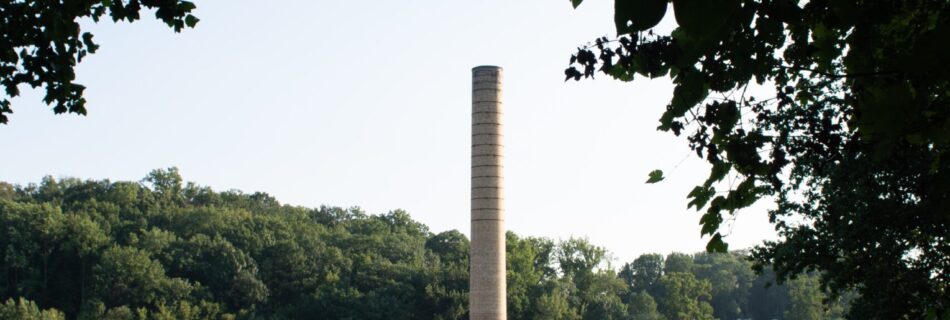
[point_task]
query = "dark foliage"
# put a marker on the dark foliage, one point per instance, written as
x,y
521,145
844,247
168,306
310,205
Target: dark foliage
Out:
x,y
851,140
41,42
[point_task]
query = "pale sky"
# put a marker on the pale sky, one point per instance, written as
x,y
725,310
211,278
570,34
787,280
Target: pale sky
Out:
x,y
359,103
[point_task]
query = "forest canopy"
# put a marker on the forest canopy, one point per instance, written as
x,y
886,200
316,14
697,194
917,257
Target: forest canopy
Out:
x,y
164,249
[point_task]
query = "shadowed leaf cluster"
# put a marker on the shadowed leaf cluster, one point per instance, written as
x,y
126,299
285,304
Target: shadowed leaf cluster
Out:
x,y
42,41
838,110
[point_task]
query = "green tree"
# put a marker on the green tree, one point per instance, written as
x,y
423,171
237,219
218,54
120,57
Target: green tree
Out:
x,y
606,307
678,262
730,276
7,191
49,191
579,258
767,299
805,298
128,277
643,273
642,307
228,272
22,309
523,278
683,297
554,304
167,183
30,242
81,245
125,313
851,143
597,288
121,250
40,45
534,288
447,292
182,310
385,256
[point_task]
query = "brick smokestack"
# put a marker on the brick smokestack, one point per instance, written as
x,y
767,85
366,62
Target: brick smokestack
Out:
x,y
487,298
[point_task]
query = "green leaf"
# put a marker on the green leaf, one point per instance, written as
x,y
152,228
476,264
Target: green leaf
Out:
x,y
745,193
710,222
655,176
716,244
931,314
640,14
884,109
87,41
622,74
191,21
690,90
718,172
728,116
186,6
700,196
704,21
576,3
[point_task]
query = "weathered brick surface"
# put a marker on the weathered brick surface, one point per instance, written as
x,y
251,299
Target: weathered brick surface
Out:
x,y
487,274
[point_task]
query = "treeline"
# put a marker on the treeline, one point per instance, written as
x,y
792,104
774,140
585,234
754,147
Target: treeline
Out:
x,y
161,249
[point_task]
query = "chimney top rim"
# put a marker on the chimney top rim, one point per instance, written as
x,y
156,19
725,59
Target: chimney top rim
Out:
x,y
486,67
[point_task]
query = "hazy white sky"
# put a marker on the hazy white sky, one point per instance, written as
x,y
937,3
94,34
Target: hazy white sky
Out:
x,y
359,103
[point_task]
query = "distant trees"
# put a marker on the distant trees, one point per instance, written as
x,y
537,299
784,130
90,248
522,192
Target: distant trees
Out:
x,y
27,310
804,297
642,306
643,274
683,297
163,249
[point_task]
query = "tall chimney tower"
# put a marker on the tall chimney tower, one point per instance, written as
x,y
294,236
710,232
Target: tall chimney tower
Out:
x,y
487,297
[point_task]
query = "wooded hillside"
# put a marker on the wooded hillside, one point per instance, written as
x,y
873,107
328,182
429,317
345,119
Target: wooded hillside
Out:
x,y
163,249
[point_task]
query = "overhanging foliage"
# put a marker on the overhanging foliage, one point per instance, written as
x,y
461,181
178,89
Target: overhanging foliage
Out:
x,y
851,143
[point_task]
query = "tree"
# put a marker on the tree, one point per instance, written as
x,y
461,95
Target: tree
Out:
x,y
29,244
579,258
523,276
119,250
767,299
678,262
642,307
730,275
597,289
804,299
448,292
23,309
127,276
41,43
554,304
851,143
227,271
683,297
7,191
167,183
643,273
